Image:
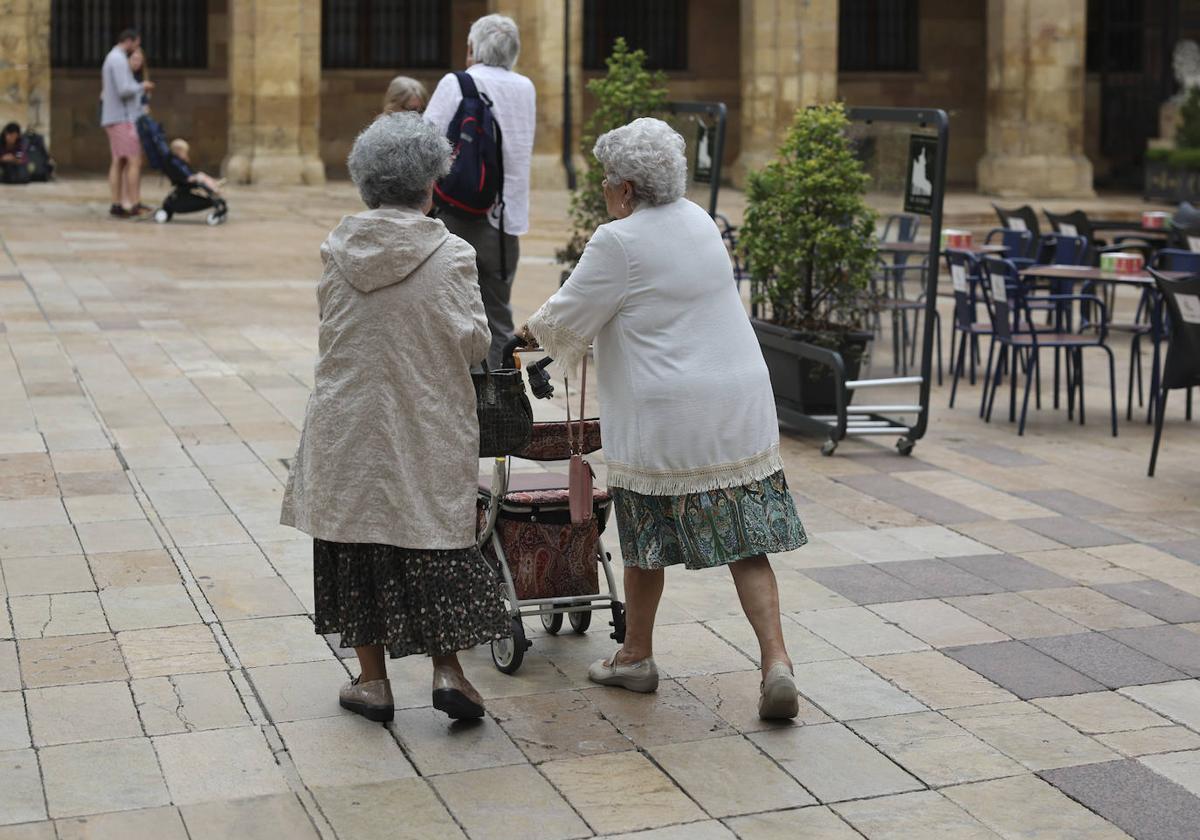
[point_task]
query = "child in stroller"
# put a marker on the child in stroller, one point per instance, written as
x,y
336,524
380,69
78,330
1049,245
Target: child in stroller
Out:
x,y
193,192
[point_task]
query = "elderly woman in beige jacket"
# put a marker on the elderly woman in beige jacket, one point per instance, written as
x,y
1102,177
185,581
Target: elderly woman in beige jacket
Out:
x,y
385,477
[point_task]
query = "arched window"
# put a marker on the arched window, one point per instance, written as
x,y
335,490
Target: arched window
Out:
x,y
660,27
174,32
385,34
878,36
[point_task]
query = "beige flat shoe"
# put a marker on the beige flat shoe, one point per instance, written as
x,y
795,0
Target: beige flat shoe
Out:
x,y
779,699
372,700
641,676
454,695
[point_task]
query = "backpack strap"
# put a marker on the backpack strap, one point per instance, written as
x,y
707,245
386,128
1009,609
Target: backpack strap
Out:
x,y
466,84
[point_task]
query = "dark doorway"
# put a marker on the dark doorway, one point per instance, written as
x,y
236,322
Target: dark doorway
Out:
x,y
1129,47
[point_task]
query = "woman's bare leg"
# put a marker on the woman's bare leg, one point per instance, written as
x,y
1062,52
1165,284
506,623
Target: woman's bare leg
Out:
x,y
371,663
643,591
759,594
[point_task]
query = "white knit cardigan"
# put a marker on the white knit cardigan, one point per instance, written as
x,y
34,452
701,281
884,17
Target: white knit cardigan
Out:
x,y
685,398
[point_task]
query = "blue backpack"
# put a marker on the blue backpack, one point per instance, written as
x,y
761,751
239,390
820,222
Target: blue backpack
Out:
x,y
476,181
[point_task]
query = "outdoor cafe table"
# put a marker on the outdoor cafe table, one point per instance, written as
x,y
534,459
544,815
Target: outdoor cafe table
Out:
x,y
1140,280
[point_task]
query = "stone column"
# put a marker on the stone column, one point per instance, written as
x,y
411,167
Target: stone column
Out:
x,y
541,23
1035,99
789,60
274,96
25,64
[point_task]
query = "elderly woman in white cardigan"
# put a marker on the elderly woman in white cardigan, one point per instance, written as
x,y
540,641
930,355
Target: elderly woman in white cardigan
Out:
x,y
386,473
690,433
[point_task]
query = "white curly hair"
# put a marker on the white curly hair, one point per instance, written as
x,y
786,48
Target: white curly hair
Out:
x,y
396,159
495,40
649,154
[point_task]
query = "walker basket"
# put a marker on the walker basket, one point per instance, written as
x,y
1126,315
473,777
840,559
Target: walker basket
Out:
x,y
547,555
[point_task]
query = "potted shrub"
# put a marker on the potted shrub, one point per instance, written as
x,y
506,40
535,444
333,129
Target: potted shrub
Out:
x,y
809,243
627,91
1174,174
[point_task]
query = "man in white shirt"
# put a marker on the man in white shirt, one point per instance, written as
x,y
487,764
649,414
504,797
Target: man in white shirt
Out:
x,y
492,48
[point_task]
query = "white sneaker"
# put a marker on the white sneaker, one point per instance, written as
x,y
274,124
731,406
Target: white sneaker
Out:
x,y
779,699
641,676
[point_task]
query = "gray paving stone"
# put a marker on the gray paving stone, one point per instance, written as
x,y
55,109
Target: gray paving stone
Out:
x,y
1012,573
1066,502
1133,797
940,578
913,499
1174,646
1159,599
1076,533
864,584
1183,549
1024,671
1105,660
1000,456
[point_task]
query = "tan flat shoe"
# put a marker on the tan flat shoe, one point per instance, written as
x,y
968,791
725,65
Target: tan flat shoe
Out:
x,y
372,700
454,695
640,676
778,698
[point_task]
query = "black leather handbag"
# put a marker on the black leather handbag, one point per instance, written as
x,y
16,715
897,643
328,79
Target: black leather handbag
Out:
x,y
505,415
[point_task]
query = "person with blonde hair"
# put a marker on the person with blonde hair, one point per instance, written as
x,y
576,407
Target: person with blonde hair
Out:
x,y
405,93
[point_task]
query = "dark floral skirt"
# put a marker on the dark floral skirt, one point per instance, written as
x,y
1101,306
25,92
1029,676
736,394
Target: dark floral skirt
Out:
x,y
410,601
710,528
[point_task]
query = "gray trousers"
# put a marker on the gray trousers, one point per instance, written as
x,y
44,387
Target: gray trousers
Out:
x,y
496,290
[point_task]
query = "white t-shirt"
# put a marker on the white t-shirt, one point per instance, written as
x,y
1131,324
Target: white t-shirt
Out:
x,y
514,105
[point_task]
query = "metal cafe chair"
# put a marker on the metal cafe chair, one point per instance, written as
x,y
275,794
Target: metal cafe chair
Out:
x,y
966,326
1017,244
1181,299
1008,310
1022,218
901,227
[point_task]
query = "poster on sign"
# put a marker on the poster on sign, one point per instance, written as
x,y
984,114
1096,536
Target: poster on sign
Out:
x,y
918,187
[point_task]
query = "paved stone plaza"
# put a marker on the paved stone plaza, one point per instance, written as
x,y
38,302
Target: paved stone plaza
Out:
x,y
998,637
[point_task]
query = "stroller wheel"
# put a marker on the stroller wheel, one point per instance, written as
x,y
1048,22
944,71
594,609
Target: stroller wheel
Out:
x,y
215,218
618,622
553,622
581,621
508,654
162,216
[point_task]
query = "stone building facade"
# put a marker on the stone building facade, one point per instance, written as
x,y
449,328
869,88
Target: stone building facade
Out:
x,y
1013,75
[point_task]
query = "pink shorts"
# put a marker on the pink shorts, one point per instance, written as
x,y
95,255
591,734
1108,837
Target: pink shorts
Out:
x,y
123,140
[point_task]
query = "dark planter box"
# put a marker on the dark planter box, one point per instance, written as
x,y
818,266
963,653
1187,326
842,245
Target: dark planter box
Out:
x,y
1165,182
802,384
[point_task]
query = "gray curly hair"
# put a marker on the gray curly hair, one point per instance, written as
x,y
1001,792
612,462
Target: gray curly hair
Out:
x,y
495,40
649,154
396,159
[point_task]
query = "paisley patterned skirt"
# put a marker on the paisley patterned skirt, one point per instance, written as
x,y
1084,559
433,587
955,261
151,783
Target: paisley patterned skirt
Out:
x,y
711,528
410,601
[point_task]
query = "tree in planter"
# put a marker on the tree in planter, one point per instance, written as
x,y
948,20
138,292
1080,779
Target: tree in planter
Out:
x,y
626,92
808,235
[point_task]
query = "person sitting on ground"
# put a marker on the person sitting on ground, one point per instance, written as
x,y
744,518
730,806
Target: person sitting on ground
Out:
x,y
691,438
14,158
181,149
405,94
385,476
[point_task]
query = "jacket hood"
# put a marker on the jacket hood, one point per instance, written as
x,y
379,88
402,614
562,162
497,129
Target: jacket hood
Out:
x,y
383,247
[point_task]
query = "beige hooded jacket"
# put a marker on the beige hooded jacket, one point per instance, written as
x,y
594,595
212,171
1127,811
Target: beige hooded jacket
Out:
x,y
389,451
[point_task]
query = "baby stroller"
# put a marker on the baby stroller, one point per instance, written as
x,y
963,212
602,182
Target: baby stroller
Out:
x,y
546,565
186,197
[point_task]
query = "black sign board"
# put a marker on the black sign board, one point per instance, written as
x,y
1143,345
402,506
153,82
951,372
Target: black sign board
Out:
x,y
918,185
706,141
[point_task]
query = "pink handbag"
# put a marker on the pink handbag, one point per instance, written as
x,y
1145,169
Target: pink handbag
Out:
x,y
580,475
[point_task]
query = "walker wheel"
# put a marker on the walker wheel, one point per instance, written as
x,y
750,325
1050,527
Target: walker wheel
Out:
x,y
215,218
552,622
618,623
162,216
828,447
905,446
508,654
581,621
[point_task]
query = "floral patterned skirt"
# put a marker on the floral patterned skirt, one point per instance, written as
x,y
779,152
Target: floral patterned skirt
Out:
x,y
410,601
711,528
